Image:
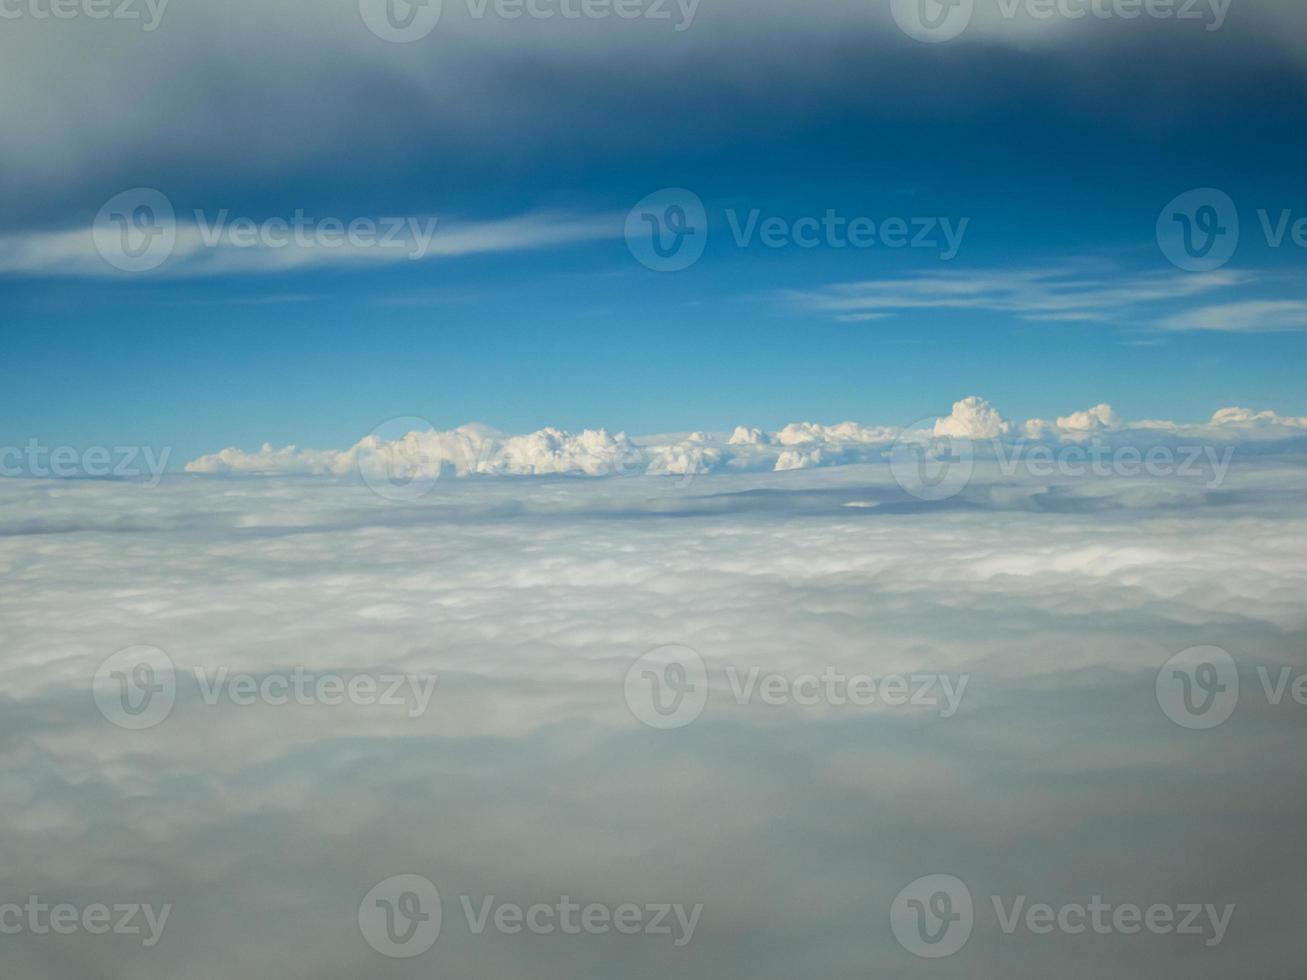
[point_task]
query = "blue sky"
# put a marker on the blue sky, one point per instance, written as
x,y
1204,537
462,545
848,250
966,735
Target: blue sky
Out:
x,y
1060,152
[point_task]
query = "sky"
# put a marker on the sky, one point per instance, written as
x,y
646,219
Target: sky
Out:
x,y
1049,146
899,342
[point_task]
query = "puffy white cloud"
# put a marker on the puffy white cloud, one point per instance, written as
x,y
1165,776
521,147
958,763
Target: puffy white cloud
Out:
x,y
1247,418
1077,426
1091,420
973,418
746,436
483,451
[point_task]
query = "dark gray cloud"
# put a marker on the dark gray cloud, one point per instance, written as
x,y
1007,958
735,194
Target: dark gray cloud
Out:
x,y
225,99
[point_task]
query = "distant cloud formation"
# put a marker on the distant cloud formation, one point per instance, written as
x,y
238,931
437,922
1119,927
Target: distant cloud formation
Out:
x,y
481,450
1067,293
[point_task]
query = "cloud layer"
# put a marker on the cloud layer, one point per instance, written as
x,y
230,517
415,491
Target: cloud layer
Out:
x,y
529,778
480,450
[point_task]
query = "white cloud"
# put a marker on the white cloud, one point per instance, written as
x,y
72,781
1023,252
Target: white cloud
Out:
x,y
1063,293
480,450
528,777
212,249
1246,317
973,418
1247,419
1077,426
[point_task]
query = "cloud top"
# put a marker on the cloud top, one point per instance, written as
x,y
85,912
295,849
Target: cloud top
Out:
x,y
480,450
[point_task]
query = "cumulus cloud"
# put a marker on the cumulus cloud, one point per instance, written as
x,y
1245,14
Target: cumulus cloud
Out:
x,y
482,451
973,418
